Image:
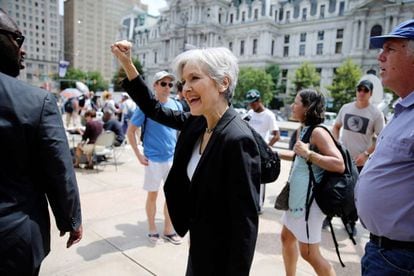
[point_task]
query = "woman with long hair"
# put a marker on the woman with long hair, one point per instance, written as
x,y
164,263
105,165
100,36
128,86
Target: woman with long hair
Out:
x,y
321,151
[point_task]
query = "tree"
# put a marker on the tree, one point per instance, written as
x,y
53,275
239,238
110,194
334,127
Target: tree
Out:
x,y
277,102
253,78
306,76
274,71
343,84
120,74
93,79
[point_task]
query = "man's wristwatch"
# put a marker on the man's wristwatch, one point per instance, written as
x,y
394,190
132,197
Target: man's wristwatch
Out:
x,y
366,153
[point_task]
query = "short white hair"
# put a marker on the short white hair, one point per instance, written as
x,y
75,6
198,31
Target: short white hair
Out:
x,y
218,63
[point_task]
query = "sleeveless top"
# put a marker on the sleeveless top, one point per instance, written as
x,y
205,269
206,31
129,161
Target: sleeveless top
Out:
x,y
299,181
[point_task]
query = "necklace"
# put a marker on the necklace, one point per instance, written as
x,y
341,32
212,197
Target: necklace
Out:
x,y
208,133
210,130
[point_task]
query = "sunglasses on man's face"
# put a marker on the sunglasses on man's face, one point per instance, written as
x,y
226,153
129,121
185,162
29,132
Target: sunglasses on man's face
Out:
x,y
163,84
363,89
16,36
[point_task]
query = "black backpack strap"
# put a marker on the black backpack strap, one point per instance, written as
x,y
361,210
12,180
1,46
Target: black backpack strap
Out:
x,y
309,199
143,126
335,242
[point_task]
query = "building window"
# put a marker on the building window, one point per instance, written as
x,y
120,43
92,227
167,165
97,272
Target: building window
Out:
x,y
243,16
321,35
319,49
340,33
341,8
283,79
375,31
322,12
287,38
302,50
242,47
303,37
155,57
256,14
272,48
286,51
275,16
338,48
231,18
304,14
231,46
287,16
254,46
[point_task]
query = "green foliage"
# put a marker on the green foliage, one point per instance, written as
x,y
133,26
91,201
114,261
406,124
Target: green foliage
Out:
x,y
274,72
253,78
344,83
306,76
120,75
93,79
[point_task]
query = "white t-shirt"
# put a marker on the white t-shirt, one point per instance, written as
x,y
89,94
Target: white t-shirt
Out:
x,y
264,123
358,126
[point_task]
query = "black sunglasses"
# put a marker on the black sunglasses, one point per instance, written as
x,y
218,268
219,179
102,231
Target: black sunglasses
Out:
x,y
16,36
364,89
163,84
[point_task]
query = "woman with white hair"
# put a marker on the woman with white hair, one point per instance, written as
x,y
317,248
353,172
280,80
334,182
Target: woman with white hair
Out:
x,y
212,189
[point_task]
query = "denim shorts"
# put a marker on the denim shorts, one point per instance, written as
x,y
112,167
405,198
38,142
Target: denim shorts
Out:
x,y
379,261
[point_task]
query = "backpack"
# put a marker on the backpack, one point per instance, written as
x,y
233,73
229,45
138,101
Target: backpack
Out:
x,y
269,159
334,194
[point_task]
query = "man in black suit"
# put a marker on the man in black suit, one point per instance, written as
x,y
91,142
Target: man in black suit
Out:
x,y
36,166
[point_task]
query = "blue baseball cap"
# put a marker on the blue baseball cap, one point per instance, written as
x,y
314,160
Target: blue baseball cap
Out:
x,y
404,31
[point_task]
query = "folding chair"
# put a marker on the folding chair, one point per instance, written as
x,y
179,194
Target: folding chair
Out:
x,y
104,147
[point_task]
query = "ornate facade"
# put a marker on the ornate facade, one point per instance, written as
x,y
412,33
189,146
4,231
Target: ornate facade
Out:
x,y
263,32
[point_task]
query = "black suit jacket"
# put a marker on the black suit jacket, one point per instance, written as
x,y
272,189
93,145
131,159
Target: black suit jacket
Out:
x,y
219,205
35,168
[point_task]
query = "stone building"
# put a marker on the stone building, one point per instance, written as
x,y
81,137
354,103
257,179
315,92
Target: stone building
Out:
x,y
40,23
263,32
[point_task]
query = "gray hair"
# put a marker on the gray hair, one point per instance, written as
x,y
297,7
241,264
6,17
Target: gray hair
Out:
x,y
218,63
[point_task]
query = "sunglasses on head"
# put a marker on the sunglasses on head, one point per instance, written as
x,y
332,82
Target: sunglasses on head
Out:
x,y
16,36
363,89
163,84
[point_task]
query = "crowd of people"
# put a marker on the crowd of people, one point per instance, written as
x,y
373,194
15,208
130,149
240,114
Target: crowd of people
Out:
x,y
204,156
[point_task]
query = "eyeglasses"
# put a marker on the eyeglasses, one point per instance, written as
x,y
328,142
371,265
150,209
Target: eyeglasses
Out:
x,y
16,36
163,84
363,89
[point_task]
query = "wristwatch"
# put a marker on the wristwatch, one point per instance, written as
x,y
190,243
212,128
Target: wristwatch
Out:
x,y
366,153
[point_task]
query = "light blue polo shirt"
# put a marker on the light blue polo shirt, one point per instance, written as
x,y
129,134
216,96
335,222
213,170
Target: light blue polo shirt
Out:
x,y
385,189
159,140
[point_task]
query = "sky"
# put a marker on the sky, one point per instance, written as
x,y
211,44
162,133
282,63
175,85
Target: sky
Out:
x,y
153,6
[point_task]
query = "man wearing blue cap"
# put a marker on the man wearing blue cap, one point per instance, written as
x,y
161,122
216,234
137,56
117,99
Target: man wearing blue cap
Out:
x,y
264,122
385,189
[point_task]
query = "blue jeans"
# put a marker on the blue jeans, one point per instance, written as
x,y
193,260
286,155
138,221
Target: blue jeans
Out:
x,y
378,261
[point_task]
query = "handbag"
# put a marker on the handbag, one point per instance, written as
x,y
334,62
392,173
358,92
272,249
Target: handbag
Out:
x,y
282,200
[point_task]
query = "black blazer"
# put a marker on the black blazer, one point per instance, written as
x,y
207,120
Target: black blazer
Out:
x,y
35,167
219,205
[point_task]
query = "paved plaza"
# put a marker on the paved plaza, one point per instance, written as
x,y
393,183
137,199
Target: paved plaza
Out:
x,y
115,231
